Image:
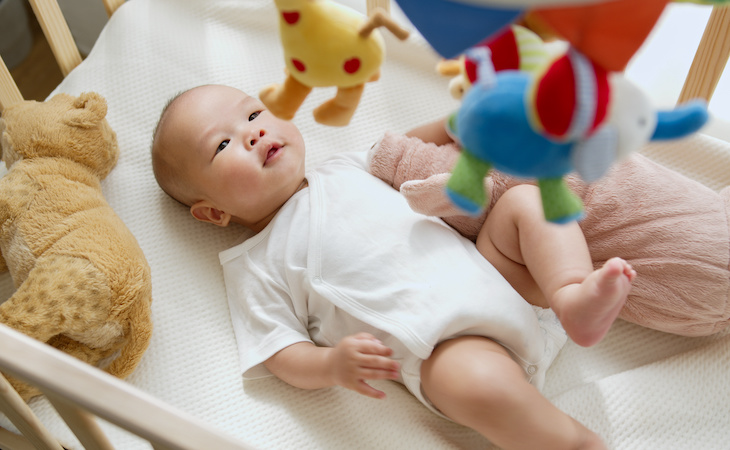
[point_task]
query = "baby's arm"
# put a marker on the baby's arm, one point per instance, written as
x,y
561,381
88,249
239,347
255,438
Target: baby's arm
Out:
x,y
433,132
349,364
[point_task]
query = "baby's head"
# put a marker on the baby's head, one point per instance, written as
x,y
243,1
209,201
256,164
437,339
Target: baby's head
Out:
x,y
221,153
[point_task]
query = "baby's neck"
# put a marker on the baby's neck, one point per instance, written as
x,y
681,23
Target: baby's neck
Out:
x,y
302,185
260,225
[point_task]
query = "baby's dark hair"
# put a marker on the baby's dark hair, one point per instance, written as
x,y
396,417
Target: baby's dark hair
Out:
x,y
168,170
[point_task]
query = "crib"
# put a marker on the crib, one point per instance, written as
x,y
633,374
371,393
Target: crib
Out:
x,y
638,389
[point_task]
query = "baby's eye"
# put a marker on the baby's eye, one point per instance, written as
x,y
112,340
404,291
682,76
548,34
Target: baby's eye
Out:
x,y
253,115
222,145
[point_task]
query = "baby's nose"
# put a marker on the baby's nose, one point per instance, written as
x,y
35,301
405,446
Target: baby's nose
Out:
x,y
255,138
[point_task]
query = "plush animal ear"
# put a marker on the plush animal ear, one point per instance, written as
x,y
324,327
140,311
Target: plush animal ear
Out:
x,y
87,110
570,100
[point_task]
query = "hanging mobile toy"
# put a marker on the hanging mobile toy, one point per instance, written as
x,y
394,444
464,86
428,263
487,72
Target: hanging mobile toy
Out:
x,y
327,44
578,114
573,117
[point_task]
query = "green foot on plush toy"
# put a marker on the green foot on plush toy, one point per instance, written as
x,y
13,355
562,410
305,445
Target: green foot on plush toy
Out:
x,y
466,187
559,203
495,126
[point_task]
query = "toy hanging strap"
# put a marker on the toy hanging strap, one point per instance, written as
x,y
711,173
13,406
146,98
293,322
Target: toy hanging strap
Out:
x,y
373,4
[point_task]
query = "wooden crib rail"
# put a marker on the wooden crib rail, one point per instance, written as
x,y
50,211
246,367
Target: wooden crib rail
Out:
x,y
711,57
57,33
9,92
79,392
112,5
59,37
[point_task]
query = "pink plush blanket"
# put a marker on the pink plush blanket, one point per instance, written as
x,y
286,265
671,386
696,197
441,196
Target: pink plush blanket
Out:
x,y
672,229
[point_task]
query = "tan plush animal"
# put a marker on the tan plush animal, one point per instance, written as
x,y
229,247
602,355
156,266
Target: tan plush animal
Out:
x,y
82,282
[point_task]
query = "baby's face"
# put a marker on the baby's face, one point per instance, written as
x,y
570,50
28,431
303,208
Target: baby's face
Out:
x,y
238,156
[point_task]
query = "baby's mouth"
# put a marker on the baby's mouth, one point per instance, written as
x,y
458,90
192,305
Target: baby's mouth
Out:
x,y
273,151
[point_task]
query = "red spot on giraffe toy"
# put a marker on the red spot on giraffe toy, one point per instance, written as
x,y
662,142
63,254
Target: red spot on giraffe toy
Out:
x,y
327,44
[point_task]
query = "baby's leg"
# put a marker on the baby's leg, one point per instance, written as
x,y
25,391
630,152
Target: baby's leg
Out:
x,y
475,382
549,265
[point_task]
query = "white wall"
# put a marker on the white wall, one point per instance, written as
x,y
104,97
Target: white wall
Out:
x,y
662,63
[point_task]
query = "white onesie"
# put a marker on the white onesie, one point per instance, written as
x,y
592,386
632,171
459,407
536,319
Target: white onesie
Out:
x,y
347,255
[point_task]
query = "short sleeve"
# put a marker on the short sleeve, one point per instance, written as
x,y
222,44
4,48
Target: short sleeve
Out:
x,y
263,314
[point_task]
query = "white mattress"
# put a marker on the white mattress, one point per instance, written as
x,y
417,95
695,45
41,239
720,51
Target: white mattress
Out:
x,y
638,388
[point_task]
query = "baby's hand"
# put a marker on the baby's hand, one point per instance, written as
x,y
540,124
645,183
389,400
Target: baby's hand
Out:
x,y
362,357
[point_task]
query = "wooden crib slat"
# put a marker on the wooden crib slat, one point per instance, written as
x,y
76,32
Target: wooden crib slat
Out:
x,y
57,33
11,441
81,423
112,5
107,397
711,57
23,418
9,92
160,447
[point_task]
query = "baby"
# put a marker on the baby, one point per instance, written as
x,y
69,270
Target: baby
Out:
x,y
323,296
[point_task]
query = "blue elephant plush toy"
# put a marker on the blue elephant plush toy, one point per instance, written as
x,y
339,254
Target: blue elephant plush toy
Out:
x,y
508,121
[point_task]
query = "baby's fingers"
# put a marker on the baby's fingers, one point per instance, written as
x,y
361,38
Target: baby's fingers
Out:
x,y
379,363
368,373
365,389
374,347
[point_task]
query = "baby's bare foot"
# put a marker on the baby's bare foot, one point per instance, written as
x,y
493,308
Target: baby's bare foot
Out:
x,y
588,309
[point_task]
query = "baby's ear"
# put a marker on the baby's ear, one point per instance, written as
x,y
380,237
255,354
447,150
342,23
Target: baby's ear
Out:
x,y
205,212
87,110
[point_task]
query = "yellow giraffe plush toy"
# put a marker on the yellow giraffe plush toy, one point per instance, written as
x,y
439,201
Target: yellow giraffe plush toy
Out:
x,y
327,44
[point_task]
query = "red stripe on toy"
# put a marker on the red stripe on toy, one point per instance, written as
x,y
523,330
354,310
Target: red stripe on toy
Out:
x,y
555,99
603,95
505,53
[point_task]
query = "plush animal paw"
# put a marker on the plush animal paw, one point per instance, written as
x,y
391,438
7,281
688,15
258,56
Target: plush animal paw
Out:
x,y
429,196
338,111
559,203
466,185
283,100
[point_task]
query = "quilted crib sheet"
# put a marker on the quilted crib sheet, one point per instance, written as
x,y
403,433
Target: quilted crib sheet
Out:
x,y
638,388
